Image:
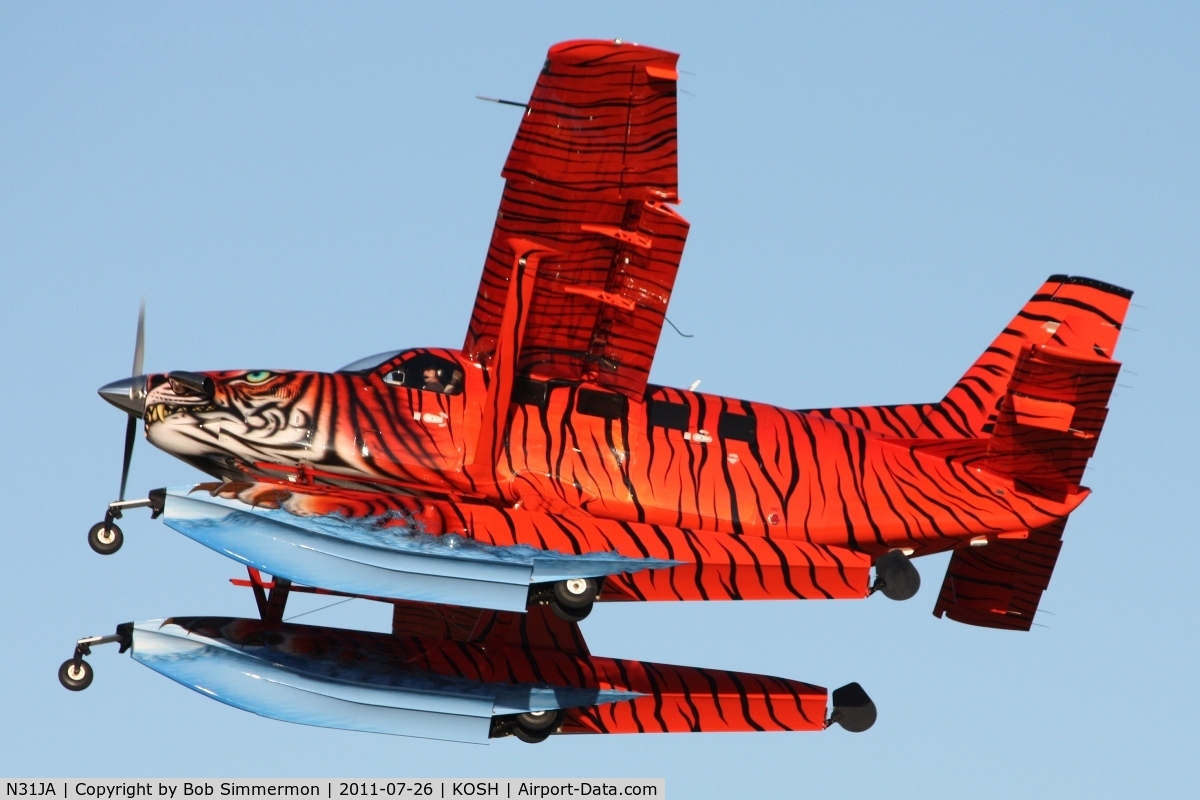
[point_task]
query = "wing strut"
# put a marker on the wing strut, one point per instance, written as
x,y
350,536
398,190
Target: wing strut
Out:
x,y
482,460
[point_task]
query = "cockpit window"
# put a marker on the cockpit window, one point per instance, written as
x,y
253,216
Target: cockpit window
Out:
x,y
370,362
429,373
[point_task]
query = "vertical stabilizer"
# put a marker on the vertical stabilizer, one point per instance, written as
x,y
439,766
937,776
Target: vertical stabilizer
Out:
x,y
1080,317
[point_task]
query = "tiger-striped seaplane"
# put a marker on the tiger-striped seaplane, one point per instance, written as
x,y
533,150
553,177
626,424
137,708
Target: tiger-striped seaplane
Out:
x,y
492,494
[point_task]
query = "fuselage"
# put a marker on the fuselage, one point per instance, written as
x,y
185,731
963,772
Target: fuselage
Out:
x,y
412,424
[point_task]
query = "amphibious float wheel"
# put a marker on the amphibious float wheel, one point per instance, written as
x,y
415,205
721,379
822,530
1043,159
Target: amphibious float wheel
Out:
x,y
573,598
75,675
570,614
537,720
105,538
576,592
530,738
536,726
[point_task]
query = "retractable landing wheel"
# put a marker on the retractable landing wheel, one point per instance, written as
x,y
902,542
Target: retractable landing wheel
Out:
x,y
570,614
530,738
852,709
533,727
75,674
105,538
896,576
573,598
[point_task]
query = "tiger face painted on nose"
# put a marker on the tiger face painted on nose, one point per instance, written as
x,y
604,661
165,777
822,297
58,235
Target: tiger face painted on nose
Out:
x,y
250,417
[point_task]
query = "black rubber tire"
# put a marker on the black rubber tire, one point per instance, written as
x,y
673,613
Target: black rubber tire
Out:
x,y
570,614
75,675
534,727
537,721
530,738
576,592
96,538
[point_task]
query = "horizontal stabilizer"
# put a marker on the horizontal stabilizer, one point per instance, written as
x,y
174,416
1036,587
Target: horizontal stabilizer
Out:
x,y
1000,585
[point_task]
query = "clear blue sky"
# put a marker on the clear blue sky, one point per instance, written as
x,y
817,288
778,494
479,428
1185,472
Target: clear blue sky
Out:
x,y
874,189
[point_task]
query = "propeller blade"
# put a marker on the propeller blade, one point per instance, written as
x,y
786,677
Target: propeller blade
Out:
x,y
130,435
139,349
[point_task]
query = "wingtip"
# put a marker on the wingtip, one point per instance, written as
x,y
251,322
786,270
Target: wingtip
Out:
x,y
1102,286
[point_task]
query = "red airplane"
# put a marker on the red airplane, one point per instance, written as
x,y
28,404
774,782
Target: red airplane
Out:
x,y
536,468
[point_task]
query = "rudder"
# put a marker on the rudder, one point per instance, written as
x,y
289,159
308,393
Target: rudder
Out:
x,y
1049,420
1080,317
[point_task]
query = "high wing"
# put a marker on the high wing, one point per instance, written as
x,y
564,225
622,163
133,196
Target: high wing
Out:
x,y
588,183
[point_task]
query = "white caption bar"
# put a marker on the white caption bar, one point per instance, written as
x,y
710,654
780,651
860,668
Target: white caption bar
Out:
x,y
131,789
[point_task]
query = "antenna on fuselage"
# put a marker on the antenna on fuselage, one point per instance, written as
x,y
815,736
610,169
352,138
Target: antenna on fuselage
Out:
x,y
676,327
502,102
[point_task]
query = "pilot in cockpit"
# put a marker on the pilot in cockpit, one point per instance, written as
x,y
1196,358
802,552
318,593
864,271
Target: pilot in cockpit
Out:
x,y
432,384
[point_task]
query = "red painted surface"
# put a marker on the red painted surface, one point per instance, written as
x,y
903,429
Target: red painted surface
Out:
x,y
552,437
497,647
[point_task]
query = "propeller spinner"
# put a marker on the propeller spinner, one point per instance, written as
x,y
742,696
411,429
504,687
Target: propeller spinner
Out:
x,y
129,395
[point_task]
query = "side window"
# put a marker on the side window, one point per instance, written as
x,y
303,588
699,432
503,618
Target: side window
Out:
x,y
664,414
429,373
736,426
606,405
529,392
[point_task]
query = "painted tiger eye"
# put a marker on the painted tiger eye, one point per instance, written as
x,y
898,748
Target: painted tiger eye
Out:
x,y
257,377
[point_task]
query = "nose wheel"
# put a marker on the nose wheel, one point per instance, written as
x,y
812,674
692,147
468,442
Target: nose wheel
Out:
x,y
75,673
106,537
